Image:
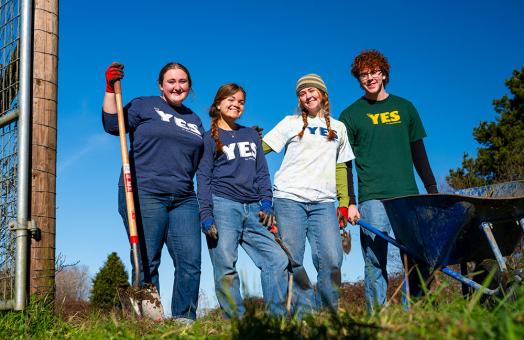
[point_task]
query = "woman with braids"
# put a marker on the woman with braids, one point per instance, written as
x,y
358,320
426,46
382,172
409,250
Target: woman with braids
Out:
x,y
234,193
305,190
166,146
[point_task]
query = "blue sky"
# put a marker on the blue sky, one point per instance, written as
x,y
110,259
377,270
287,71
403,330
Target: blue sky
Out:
x,y
450,58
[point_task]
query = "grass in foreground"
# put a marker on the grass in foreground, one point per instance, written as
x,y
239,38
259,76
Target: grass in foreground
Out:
x,y
441,315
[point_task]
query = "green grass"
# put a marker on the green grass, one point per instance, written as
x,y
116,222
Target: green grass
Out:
x,y
441,315
36,321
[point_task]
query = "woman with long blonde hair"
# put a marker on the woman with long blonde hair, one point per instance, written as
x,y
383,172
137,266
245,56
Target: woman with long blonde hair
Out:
x,y
305,189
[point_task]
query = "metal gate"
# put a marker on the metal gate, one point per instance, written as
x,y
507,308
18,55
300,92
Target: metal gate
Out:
x,y
15,68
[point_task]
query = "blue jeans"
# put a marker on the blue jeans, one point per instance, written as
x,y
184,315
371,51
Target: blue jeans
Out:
x,y
318,223
175,222
375,253
237,223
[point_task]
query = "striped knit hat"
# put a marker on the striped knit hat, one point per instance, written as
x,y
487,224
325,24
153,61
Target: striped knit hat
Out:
x,y
311,80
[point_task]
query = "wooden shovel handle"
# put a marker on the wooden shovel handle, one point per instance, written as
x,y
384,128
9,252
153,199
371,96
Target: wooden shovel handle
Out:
x,y
126,170
131,215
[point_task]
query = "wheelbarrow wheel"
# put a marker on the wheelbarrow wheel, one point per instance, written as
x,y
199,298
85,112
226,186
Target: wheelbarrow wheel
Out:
x,y
504,281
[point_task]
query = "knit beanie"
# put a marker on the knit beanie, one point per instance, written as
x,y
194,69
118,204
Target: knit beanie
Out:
x,y
311,80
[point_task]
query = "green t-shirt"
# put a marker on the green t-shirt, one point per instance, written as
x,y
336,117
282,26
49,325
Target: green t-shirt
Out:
x,y
380,133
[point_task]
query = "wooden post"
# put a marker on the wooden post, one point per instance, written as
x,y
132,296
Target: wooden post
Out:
x,y
43,170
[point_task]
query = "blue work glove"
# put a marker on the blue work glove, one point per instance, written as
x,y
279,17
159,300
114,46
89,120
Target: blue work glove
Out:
x,y
266,215
209,228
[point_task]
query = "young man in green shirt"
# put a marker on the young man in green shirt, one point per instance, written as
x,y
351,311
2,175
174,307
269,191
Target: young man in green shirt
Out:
x,y
385,132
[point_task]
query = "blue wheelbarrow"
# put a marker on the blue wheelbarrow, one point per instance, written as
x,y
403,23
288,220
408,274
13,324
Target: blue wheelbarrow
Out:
x,y
473,225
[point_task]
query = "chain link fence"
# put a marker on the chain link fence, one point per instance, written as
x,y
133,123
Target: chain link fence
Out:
x,y
9,78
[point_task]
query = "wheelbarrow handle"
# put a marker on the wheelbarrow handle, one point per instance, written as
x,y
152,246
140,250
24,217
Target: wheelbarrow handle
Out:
x,y
386,237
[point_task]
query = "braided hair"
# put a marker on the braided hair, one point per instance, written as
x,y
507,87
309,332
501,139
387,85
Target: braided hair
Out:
x,y
325,108
223,92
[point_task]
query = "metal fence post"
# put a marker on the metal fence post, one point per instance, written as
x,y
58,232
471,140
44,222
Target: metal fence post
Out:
x,y
26,73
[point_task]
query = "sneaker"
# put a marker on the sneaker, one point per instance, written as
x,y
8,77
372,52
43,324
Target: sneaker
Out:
x,y
184,321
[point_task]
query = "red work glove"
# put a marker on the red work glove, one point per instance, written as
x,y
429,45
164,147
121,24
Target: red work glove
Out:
x,y
114,72
342,215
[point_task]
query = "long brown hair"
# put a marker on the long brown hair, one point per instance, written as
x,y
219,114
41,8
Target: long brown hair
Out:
x,y
325,107
223,92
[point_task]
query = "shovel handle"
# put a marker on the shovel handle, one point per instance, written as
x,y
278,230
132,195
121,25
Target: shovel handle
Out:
x,y
126,170
131,216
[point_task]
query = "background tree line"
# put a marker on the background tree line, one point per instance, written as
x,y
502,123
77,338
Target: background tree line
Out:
x,y
500,157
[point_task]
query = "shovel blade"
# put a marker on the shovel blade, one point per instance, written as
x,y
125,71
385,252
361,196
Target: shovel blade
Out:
x,y
142,302
301,278
151,304
346,242
299,273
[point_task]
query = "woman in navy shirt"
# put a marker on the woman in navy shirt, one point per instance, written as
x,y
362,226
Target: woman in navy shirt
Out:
x,y
234,192
165,147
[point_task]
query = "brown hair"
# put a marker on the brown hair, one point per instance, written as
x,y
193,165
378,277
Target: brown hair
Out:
x,y
325,107
372,60
223,92
174,65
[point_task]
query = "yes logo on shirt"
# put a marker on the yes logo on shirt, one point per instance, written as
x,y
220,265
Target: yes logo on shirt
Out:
x,y
384,118
189,127
245,150
320,131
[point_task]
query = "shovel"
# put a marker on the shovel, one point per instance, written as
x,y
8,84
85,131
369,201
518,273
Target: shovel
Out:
x,y
344,235
296,270
145,302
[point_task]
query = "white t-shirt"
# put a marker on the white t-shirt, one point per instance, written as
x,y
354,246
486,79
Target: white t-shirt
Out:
x,y
307,173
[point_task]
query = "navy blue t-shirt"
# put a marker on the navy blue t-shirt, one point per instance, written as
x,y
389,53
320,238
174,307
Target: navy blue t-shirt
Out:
x,y
166,144
239,173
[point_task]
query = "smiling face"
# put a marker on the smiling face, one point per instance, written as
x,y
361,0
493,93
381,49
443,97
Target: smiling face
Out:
x,y
372,81
310,100
231,107
175,86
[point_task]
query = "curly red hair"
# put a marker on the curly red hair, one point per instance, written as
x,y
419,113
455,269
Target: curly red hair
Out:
x,y
371,60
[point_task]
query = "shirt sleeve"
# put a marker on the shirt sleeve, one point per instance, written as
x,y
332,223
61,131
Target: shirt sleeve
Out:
x,y
110,123
351,185
131,117
342,185
416,129
421,162
344,152
278,137
267,149
263,180
204,176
